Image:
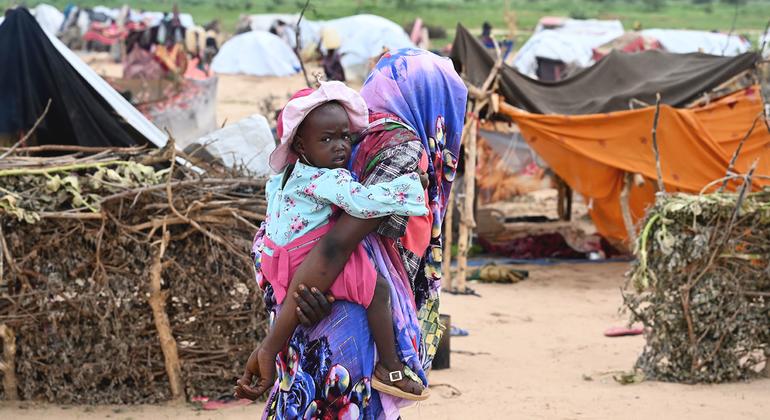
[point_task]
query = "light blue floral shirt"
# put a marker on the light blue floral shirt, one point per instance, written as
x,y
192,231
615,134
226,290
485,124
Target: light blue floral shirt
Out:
x,y
306,201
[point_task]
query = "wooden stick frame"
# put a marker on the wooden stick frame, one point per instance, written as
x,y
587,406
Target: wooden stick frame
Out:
x,y
482,96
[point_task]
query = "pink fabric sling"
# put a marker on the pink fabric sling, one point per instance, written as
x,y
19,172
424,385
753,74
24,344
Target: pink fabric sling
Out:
x,y
354,284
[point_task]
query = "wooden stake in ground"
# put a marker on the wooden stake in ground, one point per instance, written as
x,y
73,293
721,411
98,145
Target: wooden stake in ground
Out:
x,y
467,223
162,325
482,97
655,148
298,48
446,262
625,208
8,364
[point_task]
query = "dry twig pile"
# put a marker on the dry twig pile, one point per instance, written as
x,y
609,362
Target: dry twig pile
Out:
x,y
702,280
124,277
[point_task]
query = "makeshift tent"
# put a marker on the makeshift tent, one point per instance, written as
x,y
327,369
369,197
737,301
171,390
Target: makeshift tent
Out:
x,y
246,144
572,43
608,85
84,110
592,152
363,38
684,41
256,53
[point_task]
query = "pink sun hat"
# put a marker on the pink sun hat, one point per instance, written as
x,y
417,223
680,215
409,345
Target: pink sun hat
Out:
x,y
300,105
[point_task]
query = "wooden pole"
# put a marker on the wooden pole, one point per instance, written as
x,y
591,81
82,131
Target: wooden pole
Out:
x,y
446,262
482,97
466,215
655,148
162,325
625,209
8,364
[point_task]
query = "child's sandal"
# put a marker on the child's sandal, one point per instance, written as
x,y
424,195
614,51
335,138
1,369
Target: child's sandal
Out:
x,y
388,384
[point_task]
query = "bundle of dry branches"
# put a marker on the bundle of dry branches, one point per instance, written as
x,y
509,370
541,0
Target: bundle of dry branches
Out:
x,y
702,287
125,277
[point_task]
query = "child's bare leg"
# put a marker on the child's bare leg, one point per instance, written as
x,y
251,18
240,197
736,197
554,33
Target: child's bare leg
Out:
x,y
381,325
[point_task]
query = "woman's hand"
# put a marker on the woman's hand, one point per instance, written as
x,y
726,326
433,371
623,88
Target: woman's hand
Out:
x,y
262,365
312,305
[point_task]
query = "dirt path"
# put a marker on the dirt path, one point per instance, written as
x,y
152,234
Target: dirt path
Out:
x,y
535,351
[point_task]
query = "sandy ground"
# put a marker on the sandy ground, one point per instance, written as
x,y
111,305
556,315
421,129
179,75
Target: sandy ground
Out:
x,y
535,351
241,96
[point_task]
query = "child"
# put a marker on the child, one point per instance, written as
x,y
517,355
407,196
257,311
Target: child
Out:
x,y
317,127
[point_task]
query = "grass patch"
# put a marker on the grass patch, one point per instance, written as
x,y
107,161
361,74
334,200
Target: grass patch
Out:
x,y
681,14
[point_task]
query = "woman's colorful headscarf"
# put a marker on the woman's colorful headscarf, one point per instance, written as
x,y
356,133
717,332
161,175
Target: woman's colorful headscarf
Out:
x,y
424,91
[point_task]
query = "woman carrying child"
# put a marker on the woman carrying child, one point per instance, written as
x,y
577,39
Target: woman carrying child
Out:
x,y
327,370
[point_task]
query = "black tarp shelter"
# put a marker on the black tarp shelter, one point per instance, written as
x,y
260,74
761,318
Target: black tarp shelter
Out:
x,y
85,110
608,85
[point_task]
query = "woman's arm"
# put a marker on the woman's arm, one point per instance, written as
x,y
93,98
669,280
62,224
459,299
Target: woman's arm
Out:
x,y
319,270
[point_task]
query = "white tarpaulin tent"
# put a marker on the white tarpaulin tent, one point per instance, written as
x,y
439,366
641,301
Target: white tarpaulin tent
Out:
x,y
49,17
256,53
571,43
363,37
683,41
245,144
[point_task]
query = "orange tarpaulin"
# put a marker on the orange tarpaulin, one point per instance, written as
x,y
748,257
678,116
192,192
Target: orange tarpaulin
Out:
x,y
591,152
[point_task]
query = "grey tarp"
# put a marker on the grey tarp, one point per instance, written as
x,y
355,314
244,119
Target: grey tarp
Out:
x,y
607,85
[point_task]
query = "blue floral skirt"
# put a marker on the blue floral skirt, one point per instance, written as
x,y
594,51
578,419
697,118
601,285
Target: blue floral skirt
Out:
x,y
325,371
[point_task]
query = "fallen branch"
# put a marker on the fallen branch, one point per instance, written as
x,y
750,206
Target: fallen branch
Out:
x,y
158,304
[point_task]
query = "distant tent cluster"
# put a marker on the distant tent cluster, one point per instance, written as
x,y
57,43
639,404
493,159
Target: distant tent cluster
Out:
x,y
561,46
358,39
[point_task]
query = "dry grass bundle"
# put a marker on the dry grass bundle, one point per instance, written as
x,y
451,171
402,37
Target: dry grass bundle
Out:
x,y
124,277
702,287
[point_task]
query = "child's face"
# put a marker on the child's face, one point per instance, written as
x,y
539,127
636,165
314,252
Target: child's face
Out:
x,y
324,137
